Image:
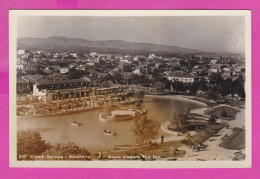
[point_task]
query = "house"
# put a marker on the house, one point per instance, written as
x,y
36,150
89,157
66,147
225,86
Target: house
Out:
x,y
64,70
226,73
75,55
137,71
91,63
72,65
93,54
136,58
20,52
25,65
151,56
213,61
57,77
56,55
185,78
80,67
124,60
214,68
55,67
25,83
22,84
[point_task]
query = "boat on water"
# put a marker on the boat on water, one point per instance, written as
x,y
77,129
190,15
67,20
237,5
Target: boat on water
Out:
x,y
107,132
74,123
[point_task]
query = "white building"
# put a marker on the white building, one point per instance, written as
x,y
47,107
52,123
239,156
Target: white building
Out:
x,y
151,56
20,52
93,54
64,70
90,63
213,70
182,78
75,55
124,60
137,71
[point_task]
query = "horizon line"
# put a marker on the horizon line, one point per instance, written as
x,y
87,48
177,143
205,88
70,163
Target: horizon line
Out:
x,y
202,51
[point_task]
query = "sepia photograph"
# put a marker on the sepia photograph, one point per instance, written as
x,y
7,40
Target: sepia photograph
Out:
x,y
130,88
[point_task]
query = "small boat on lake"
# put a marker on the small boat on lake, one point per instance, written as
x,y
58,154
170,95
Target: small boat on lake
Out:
x,y
74,123
107,132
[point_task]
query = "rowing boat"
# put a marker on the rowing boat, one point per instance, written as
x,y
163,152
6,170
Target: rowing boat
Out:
x,y
107,132
74,123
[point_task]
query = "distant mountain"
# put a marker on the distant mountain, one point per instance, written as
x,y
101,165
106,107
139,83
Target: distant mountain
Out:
x,y
57,42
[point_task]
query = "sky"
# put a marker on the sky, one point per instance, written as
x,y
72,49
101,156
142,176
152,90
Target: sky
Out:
x,y
211,33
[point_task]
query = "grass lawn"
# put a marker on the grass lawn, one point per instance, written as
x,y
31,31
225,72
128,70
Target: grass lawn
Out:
x,y
230,112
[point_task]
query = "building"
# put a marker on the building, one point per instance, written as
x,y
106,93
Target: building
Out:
x,y
185,78
61,90
91,63
25,65
64,70
226,73
20,52
137,71
22,85
75,55
25,83
214,68
106,91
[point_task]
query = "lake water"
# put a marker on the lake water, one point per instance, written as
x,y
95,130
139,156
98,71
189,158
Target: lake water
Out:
x,y
88,135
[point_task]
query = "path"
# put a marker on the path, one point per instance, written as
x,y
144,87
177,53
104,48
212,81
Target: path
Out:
x,y
213,150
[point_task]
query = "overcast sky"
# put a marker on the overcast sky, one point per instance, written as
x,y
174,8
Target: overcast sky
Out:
x,y
213,34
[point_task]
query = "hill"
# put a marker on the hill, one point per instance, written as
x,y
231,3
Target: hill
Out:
x,y
61,43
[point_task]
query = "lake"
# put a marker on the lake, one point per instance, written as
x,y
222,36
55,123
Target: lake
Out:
x,y
55,129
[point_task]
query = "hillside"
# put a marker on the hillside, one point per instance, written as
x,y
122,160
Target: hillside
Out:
x,y
80,44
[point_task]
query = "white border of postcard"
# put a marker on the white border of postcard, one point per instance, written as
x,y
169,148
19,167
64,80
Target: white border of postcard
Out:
x,y
13,16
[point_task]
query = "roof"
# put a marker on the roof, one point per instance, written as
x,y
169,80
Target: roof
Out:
x,y
215,66
58,76
20,79
33,78
104,89
85,78
61,82
182,75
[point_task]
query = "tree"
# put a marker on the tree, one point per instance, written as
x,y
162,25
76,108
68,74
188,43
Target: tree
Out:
x,y
212,119
226,87
178,121
139,95
215,78
106,110
75,74
212,94
158,87
194,87
238,86
178,86
30,142
203,85
224,113
145,129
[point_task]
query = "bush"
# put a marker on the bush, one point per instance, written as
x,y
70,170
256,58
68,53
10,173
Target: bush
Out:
x,y
67,149
224,113
145,130
30,142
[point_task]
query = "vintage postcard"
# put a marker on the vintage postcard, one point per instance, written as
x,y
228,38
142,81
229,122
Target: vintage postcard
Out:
x,y
130,88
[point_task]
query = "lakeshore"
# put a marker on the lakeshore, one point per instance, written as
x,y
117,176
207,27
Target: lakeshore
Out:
x,y
172,142
212,143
